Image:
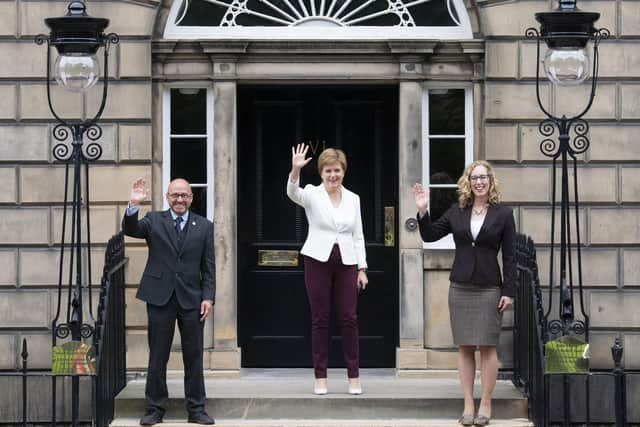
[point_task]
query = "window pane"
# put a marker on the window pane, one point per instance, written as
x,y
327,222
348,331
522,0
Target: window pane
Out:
x,y
188,111
189,159
199,204
446,112
441,199
446,160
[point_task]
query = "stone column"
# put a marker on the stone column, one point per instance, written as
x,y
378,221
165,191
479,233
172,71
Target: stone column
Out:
x,y
226,354
411,353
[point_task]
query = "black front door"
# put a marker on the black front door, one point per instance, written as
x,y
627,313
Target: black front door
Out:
x,y
274,322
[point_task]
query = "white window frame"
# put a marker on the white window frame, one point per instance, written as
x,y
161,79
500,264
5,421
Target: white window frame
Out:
x,y
166,142
462,31
447,241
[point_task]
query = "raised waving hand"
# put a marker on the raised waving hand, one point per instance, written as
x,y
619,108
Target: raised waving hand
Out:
x,y
421,198
298,160
138,192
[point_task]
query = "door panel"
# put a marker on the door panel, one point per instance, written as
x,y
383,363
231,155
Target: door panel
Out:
x,y
274,322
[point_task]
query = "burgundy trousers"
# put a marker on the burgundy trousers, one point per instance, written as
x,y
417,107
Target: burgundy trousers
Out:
x,y
325,280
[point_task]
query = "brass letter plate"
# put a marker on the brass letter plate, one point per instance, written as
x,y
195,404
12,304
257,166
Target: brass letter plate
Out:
x,y
277,258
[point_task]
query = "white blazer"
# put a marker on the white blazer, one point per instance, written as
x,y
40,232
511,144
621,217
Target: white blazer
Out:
x,y
323,230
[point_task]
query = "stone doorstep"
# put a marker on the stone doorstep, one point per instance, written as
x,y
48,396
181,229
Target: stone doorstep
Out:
x,y
519,422
268,394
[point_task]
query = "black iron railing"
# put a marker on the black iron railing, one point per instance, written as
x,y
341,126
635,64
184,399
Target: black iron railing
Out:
x,y
110,338
91,402
589,398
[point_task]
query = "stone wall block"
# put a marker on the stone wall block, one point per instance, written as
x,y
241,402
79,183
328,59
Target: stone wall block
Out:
x,y
595,184
24,226
32,61
135,59
8,355
126,19
411,358
8,18
188,68
521,17
629,94
311,71
572,100
43,184
600,347
514,101
501,59
599,266
501,142
39,267
33,14
615,226
528,59
9,263
630,184
614,142
8,101
631,355
25,142
137,349
12,307
136,310
437,332
124,101
614,309
33,102
113,183
536,222
134,142
619,60
39,348
137,261
630,18
224,360
606,9
411,289
104,224
529,184
442,359
631,266
10,190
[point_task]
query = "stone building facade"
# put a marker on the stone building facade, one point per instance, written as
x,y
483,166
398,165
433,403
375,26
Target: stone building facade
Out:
x,y
496,68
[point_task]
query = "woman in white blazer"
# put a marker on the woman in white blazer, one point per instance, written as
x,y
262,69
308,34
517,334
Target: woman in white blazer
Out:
x,y
335,261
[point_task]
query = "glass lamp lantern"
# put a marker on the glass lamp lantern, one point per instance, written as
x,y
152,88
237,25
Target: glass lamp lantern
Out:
x,y
566,66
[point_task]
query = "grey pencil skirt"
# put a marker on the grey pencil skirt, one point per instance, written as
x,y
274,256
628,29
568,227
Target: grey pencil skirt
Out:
x,y
475,318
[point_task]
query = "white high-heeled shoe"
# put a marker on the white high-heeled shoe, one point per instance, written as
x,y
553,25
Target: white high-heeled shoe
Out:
x,y
354,386
320,386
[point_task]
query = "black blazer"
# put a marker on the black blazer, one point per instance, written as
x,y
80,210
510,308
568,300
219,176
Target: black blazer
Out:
x,y
187,269
477,261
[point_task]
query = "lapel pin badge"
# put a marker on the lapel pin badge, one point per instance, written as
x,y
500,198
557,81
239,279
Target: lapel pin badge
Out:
x,y
193,223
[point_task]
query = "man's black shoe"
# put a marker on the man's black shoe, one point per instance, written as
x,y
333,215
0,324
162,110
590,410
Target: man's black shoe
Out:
x,y
200,418
151,418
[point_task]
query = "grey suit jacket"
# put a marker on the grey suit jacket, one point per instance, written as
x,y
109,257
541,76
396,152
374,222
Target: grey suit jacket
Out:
x,y
187,269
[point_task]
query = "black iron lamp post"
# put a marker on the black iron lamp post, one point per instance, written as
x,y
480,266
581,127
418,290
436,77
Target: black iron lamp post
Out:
x,y
77,38
567,33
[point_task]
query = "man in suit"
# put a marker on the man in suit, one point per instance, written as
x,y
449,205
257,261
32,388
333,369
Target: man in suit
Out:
x,y
178,283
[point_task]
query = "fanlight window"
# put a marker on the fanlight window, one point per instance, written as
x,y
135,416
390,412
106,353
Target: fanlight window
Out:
x,y
318,19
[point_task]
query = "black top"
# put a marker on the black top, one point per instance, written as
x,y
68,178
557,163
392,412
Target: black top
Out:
x,y
476,261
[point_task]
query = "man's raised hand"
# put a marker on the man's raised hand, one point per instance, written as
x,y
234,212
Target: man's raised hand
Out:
x,y
138,192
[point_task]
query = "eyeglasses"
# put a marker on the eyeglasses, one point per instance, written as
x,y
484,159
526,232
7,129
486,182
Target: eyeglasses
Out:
x,y
478,178
180,195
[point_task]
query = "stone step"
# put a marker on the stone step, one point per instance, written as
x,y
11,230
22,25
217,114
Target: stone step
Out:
x,y
271,395
523,422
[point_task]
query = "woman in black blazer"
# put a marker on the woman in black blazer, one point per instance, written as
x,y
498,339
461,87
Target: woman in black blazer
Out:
x,y
479,293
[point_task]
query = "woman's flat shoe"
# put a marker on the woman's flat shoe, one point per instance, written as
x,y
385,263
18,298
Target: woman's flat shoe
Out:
x,y
320,387
481,420
355,387
466,420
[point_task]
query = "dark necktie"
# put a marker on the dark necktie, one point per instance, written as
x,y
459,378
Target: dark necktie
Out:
x,y
178,223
